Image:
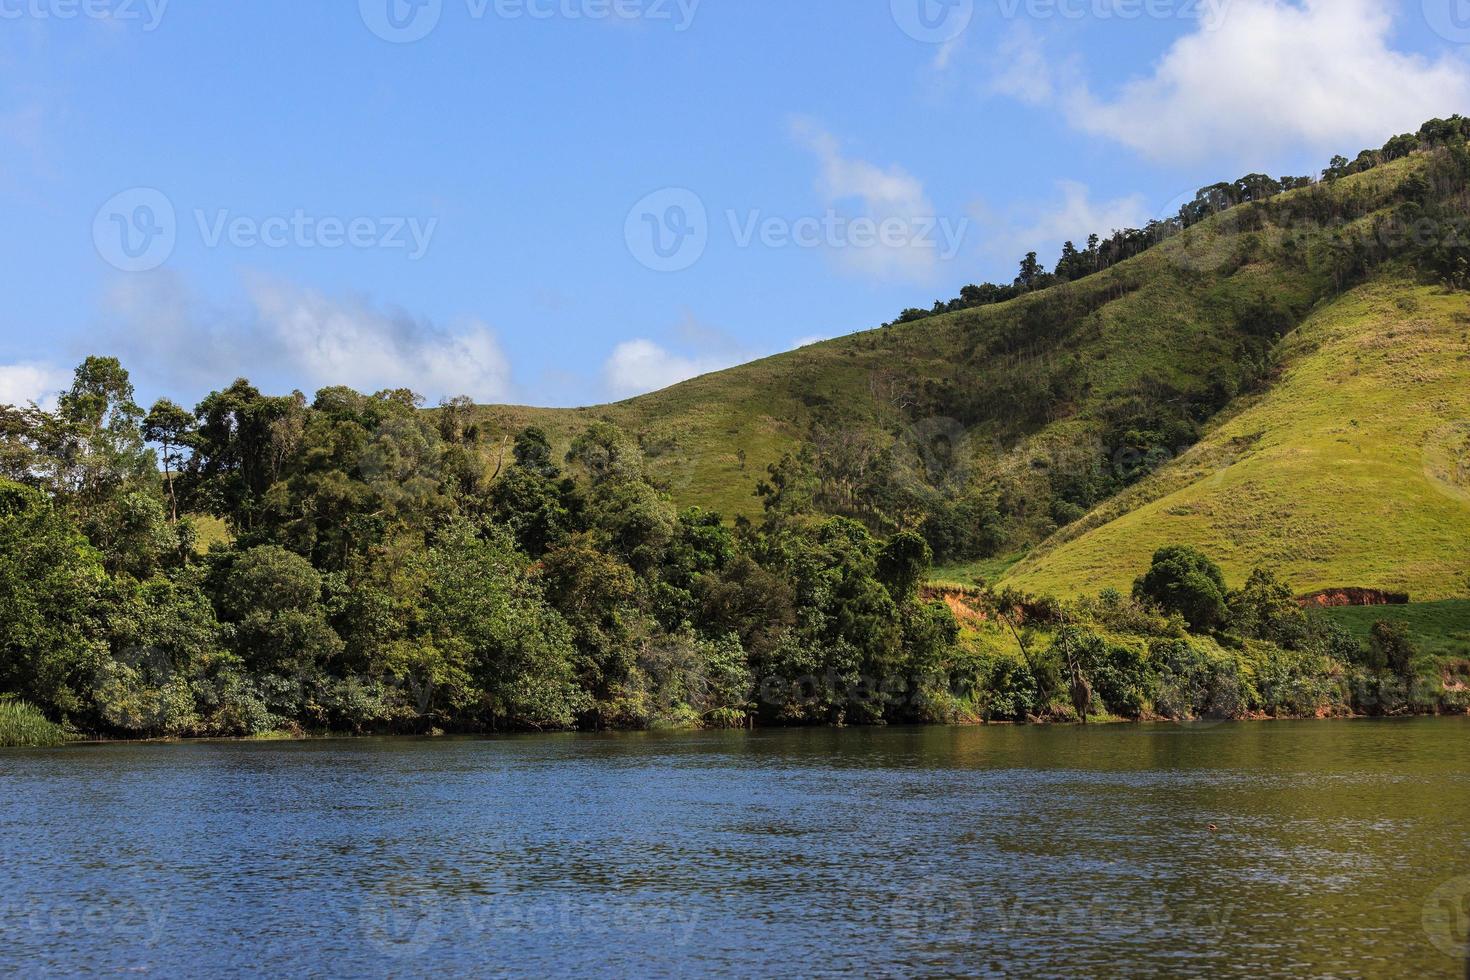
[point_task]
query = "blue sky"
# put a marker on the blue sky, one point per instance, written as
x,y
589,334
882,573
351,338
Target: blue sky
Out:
x,y
463,197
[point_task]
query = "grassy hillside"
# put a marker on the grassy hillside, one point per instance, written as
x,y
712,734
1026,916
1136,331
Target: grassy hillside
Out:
x,y
1327,384
1348,472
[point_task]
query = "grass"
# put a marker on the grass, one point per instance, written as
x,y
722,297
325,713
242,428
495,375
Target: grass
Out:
x,y
211,531
23,726
1348,472
985,570
1441,629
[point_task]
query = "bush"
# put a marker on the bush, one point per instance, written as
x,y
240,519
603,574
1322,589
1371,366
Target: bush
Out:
x,y
23,726
1183,580
1011,691
1265,609
1195,683
1390,648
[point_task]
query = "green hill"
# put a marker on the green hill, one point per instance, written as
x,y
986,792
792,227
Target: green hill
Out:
x,y
1340,475
1281,383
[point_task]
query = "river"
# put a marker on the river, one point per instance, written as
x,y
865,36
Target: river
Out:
x,y
1289,848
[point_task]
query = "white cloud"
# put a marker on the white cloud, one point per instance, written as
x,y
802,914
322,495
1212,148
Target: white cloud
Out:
x,y
945,56
347,341
1264,76
883,195
287,335
1023,71
891,191
639,366
32,383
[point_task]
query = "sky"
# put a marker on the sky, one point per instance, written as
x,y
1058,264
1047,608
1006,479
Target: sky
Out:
x,y
566,202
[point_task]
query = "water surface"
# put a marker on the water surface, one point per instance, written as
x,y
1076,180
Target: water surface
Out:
x,y
1338,850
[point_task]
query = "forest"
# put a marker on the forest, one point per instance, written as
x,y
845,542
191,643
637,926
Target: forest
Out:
x,y
351,564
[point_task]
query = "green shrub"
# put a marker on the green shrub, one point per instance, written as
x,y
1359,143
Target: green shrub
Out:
x,y
1195,683
1011,691
1183,580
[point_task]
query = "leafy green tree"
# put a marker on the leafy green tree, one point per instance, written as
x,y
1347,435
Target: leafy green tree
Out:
x,y
903,563
533,499
748,599
172,428
625,514
1183,580
486,612
98,445
1265,608
1391,648
51,592
1115,673
243,445
599,597
848,635
790,493
272,599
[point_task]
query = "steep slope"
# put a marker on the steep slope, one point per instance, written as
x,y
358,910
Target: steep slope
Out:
x,y
1158,326
1353,470
1052,418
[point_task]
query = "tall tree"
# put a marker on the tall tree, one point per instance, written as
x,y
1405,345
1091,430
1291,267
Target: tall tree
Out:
x,y
171,427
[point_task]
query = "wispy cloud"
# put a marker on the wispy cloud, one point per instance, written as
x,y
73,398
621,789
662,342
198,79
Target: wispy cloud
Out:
x,y
335,340
293,335
882,194
641,365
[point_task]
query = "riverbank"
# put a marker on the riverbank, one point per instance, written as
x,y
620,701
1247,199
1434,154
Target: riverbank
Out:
x,y
1101,721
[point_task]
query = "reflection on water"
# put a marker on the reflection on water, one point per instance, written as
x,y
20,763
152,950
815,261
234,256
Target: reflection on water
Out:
x,y
1339,848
